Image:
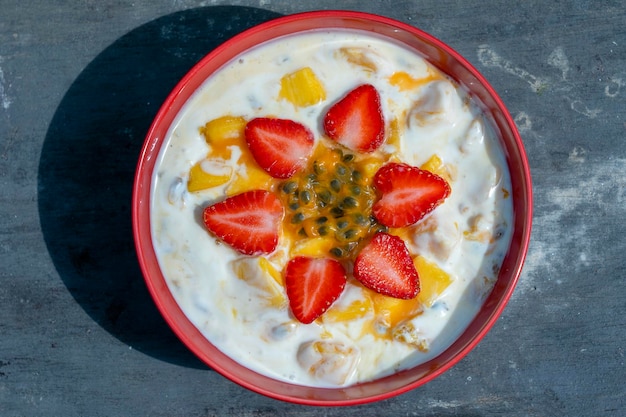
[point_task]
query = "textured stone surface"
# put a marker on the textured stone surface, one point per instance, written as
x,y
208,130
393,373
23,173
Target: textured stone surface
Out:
x,y
79,84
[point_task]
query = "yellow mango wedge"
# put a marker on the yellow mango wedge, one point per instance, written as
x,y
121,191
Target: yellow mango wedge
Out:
x,y
208,174
437,167
302,88
353,311
260,273
392,311
251,177
222,133
433,280
314,247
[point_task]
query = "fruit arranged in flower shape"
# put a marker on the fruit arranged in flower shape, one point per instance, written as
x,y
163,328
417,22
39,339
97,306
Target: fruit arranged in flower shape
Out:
x,y
333,203
302,88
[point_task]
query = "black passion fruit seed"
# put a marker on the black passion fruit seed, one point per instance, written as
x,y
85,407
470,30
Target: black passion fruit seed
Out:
x,y
337,212
349,234
289,187
324,196
342,224
297,218
360,219
349,202
305,197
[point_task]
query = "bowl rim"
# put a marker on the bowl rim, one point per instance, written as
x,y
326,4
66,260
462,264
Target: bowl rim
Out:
x,y
360,393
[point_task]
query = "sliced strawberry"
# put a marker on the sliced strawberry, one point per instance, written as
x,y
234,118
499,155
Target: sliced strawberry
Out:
x,y
312,285
280,146
407,194
249,222
356,121
385,266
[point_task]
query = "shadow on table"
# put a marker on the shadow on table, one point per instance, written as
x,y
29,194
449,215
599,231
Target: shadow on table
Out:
x,y
88,163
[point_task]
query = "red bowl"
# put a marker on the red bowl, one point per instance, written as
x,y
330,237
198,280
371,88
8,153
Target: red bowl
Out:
x,y
449,62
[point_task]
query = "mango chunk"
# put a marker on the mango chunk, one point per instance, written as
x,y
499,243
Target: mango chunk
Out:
x,y
437,167
270,270
316,246
302,88
223,128
391,311
370,166
224,132
404,233
433,280
433,164
394,136
250,178
260,273
355,310
208,173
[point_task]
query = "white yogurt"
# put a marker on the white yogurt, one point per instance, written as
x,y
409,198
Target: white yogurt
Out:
x,y
236,315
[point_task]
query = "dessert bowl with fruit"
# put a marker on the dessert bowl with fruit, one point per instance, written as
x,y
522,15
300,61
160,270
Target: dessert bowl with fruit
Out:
x,y
332,208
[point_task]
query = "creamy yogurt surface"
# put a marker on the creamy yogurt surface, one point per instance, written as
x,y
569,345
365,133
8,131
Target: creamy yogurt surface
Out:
x,y
233,300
